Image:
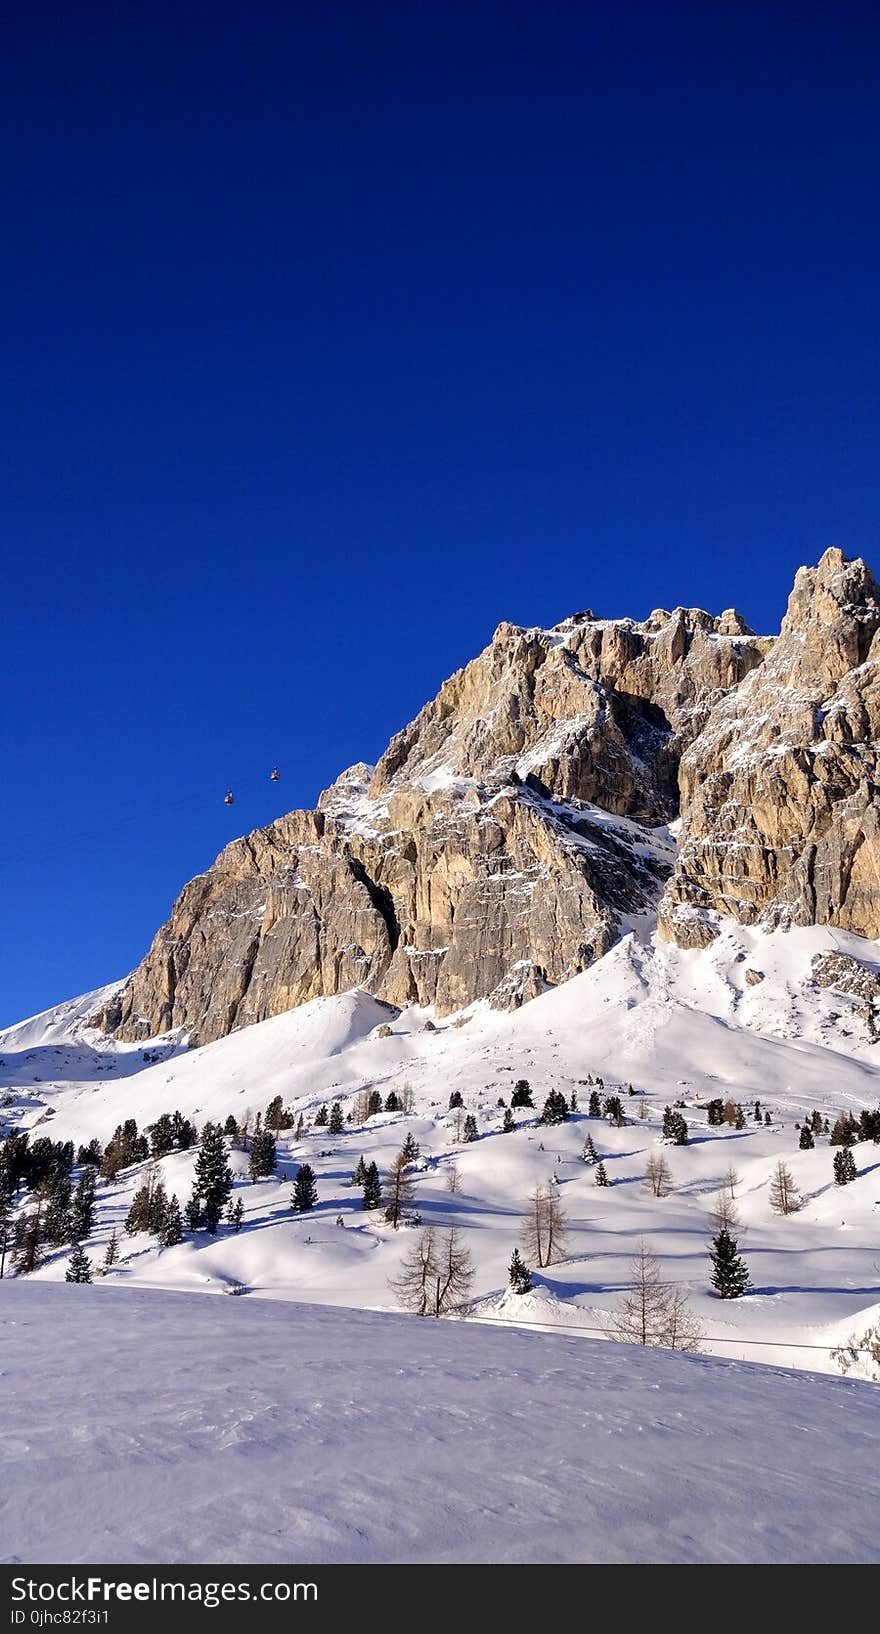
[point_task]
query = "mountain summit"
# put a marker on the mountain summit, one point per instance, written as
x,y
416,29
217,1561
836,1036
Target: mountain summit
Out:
x,y
513,829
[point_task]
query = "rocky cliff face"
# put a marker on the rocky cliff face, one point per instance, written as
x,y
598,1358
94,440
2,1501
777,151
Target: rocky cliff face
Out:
x,y
498,845
779,790
509,831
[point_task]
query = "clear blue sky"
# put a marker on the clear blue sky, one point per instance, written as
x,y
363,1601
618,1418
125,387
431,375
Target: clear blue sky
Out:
x,y
333,334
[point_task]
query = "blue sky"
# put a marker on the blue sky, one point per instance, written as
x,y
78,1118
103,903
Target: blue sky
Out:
x,y
332,335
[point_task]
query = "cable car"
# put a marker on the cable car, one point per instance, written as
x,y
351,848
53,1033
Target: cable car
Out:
x,y
229,798
274,775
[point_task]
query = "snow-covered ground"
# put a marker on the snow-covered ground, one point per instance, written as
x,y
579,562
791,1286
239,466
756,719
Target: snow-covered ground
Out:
x,y
165,1428
676,1025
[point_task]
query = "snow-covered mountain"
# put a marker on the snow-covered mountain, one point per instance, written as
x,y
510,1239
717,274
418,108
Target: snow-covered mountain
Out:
x,y
509,834
634,865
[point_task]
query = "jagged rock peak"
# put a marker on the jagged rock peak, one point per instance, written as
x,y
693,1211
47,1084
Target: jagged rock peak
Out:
x,y
780,788
832,618
508,833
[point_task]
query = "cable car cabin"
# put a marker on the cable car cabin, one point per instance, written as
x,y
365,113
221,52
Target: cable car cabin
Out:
x,y
274,775
229,798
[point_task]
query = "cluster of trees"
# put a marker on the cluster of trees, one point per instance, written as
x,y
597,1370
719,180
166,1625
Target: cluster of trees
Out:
x,y
369,1102
719,1112
334,1119
154,1211
397,1193
127,1146
278,1117
59,1213
171,1133
848,1130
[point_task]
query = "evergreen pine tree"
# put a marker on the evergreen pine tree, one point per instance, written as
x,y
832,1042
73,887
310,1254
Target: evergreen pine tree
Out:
x,y
28,1241
759,1116
845,1131
261,1164
470,1128
806,1142
555,1108
589,1153
601,1176
213,1176
322,1117
844,1166
300,1126
7,1198
730,1277
111,1252
519,1275
739,1121
230,1127
185,1134
372,1188
613,1109
148,1206
161,1136
374,1104
337,1120
82,1209
410,1149
392,1104
55,1190
235,1214
171,1226
360,1173
194,1213
305,1193
79,1266
455,1100
594,1107
277,1117
509,1122
522,1094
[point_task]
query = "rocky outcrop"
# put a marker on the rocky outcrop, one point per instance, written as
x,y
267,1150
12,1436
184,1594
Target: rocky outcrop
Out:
x,y
779,789
508,834
847,975
497,847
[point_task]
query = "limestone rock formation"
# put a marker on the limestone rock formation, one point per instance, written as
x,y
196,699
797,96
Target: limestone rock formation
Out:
x,y
508,834
498,845
779,790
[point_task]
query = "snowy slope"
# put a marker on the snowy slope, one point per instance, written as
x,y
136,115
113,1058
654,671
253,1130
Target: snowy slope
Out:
x,y
674,1024
299,1435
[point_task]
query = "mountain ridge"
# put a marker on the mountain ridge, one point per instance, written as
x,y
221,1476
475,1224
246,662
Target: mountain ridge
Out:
x,y
519,824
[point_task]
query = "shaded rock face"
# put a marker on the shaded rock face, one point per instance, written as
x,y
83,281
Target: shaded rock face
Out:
x,y
508,833
779,789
